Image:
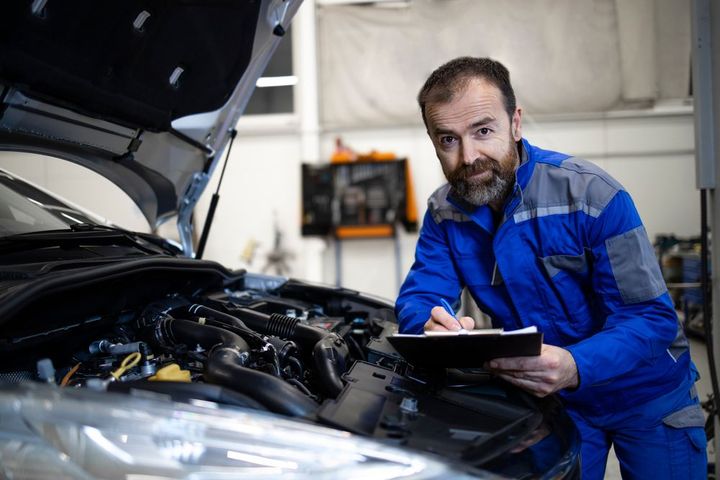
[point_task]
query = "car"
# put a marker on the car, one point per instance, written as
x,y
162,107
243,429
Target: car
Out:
x,y
122,355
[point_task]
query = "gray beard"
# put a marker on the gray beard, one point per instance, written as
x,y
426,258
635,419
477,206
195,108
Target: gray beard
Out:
x,y
484,193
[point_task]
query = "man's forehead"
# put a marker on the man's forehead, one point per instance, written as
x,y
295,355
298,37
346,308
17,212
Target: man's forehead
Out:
x,y
477,100
448,118
475,87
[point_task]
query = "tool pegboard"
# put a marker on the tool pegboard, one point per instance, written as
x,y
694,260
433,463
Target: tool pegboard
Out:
x,y
357,199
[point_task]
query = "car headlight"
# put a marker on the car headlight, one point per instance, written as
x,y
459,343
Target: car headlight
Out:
x,y
47,432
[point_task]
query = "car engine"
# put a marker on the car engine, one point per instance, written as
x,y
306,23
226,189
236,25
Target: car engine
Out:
x,y
268,353
238,345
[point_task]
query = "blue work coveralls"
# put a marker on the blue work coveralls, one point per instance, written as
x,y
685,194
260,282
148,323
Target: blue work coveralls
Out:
x,y
570,255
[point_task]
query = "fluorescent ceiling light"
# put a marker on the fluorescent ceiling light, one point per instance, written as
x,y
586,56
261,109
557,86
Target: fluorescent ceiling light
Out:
x,y
287,81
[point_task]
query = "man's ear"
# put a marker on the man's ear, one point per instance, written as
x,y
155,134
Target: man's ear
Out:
x,y
516,127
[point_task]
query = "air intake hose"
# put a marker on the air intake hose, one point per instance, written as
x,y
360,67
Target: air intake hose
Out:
x,y
170,332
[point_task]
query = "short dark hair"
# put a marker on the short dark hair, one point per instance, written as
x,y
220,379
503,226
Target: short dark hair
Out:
x,y
446,80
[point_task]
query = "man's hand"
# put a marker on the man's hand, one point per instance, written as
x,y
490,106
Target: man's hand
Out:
x,y
441,321
553,370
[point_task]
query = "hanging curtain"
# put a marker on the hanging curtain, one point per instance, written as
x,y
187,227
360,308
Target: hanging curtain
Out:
x,y
563,55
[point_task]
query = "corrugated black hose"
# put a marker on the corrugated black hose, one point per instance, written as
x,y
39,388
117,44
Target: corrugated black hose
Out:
x,y
330,353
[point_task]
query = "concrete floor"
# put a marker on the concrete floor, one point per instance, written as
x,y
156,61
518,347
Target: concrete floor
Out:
x,y
699,356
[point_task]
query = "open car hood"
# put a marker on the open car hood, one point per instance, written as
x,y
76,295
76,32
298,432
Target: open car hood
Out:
x,y
142,92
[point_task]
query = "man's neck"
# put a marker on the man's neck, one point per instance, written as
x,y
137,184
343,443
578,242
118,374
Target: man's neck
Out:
x,y
497,205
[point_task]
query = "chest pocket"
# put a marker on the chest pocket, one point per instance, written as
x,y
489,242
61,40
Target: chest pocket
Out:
x,y
569,278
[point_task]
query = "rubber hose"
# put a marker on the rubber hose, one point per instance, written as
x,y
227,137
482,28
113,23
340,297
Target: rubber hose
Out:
x,y
330,355
275,394
170,332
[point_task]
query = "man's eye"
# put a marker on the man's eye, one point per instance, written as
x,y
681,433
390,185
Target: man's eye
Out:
x,y
447,140
484,131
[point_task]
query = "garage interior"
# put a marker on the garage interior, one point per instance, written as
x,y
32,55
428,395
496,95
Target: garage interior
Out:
x,y
610,81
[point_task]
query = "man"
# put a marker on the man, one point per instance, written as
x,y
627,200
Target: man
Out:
x,y
541,238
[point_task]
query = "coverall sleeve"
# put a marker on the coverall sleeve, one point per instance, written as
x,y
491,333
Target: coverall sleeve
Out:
x,y
432,276
630,292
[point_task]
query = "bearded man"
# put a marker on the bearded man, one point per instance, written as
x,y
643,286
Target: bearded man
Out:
x,y
540,238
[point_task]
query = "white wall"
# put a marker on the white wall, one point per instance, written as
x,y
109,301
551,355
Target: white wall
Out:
x,y
651,154
261,188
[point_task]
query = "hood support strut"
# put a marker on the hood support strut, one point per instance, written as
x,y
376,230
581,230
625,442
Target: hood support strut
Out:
x,y
215,199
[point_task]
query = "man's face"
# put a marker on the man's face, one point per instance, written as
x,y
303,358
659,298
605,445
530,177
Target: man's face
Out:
x,y
475,141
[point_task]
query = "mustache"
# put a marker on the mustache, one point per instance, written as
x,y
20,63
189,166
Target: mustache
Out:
x,y
463,172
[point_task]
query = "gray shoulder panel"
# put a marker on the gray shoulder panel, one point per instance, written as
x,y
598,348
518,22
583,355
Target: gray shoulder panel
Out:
x,y
441,209
574,185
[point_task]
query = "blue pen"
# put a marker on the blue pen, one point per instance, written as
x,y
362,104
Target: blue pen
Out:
x,y
450,310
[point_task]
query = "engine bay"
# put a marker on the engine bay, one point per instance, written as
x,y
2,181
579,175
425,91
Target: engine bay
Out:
x,y
287,363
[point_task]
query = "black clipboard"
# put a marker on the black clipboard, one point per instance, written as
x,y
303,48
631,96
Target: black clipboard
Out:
x,y
464,351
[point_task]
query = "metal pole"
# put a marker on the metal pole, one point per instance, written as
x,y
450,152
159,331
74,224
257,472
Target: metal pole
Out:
x,y
706,84
338,261
398,260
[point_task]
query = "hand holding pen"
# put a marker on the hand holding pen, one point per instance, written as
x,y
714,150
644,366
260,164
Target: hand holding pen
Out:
x,y
448,308
443,318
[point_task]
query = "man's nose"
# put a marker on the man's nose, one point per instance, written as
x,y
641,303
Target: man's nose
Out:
x,y
469,154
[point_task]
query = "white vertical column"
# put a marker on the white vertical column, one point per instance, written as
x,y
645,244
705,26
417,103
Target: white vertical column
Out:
x,y
307,109
306,91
